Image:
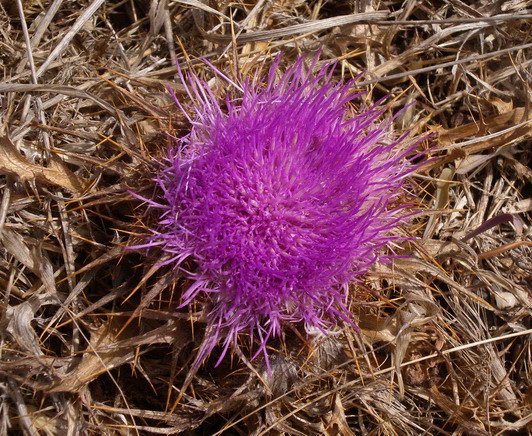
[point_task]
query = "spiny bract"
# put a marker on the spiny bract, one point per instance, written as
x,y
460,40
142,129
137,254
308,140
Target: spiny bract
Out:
x,y
281,196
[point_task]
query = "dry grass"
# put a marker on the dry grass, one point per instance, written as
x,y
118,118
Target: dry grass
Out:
x,y
91,342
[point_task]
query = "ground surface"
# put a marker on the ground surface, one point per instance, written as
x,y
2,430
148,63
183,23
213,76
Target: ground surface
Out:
x,y
91,342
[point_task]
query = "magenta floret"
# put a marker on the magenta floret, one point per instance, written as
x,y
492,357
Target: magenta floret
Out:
x,y
281,198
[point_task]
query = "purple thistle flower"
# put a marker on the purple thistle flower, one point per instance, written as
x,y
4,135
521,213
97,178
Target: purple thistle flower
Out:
x,y
282,198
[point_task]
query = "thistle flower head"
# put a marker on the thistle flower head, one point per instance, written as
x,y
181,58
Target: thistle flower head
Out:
x,y
282,196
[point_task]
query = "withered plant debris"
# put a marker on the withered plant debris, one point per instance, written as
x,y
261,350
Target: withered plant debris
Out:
x,y
91,342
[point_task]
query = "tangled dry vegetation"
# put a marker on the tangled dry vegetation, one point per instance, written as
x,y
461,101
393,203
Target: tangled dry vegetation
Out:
x,y
91,341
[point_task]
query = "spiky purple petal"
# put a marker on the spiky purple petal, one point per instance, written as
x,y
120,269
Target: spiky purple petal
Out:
x,y
281,198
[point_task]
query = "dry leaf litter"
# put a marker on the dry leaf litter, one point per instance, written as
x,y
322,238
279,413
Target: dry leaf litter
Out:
x,y
90,341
